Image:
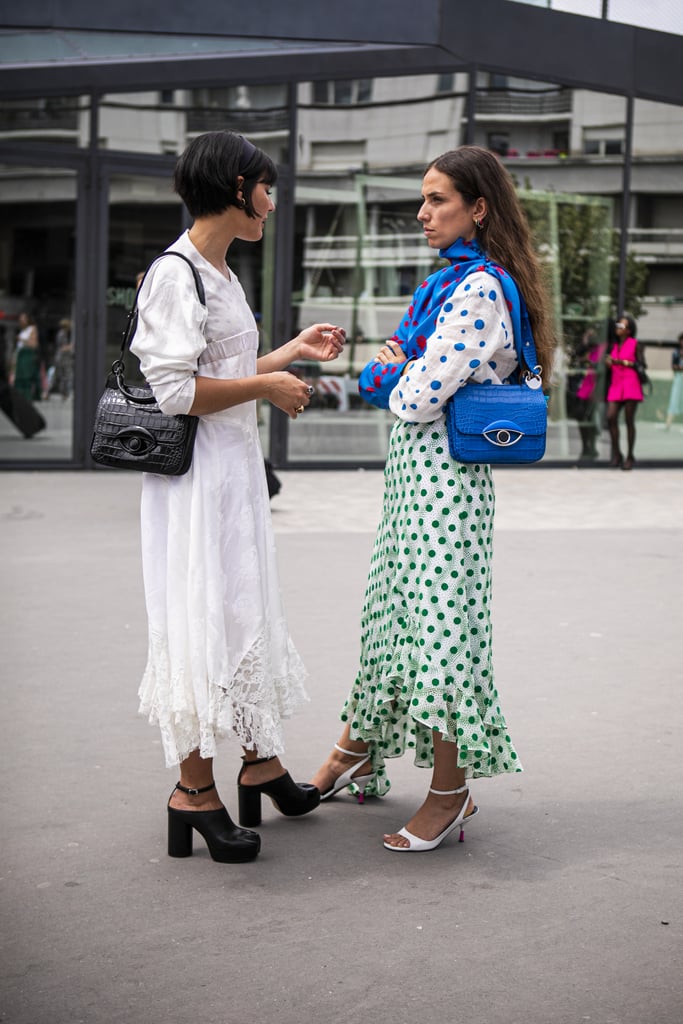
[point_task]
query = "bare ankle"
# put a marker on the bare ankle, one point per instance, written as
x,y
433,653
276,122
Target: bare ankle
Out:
x,y
189,799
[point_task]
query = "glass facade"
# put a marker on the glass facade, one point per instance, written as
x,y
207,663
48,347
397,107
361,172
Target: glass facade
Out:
x,y
56,119
360,252
38,329
655,246
600,179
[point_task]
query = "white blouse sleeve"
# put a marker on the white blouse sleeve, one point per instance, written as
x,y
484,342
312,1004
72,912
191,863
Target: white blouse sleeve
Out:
x,y
472,339
169,340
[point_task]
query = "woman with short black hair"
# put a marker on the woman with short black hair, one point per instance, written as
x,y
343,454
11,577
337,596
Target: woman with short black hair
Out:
x,y
221,661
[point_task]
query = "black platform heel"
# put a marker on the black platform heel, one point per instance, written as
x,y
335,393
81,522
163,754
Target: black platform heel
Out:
x,y
290,798
227,843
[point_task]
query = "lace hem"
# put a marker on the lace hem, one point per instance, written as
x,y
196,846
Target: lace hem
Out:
x,y
250,707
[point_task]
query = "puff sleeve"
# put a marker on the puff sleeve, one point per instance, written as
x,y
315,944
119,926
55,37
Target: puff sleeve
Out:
x,y
169,340
377,380
473,339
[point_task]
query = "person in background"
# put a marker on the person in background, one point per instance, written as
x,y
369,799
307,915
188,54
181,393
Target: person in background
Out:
x,y
589,393
676,394
63,378
221,662
625,390
27,359
425,679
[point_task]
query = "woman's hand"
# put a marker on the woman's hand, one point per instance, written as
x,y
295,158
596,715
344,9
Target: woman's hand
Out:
x,y
391,353
287,392
610,361
320,341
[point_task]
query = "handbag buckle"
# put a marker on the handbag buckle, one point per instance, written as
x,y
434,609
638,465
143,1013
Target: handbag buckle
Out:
x,y
533,379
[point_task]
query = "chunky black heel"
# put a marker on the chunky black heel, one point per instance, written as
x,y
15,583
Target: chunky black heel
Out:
x,y
227,843
290,798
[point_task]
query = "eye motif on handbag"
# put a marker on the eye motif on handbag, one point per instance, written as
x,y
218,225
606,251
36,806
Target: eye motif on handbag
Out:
x,y
501,423
131,431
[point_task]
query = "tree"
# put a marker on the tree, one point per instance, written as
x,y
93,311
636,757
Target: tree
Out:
x,y
574,237
636,280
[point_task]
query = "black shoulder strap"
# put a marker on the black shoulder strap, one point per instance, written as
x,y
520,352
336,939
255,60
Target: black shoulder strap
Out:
x,y
132,320
195,273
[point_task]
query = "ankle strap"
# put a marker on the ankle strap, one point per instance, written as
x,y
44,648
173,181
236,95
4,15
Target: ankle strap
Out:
x,y
259,760
194,792
351,753
447,792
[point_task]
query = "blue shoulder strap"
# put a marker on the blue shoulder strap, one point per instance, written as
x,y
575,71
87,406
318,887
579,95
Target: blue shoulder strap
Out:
x,y
525,346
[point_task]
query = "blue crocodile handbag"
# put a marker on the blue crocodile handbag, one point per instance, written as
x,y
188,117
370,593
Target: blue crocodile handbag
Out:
x,y
501,423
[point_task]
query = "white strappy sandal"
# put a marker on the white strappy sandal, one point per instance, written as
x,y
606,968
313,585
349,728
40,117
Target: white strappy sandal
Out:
x,y
347,777
418,845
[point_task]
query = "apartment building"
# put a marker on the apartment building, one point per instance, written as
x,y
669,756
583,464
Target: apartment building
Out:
x,y
86,203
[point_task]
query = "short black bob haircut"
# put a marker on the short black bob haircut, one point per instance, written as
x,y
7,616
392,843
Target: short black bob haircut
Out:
x,y
205,175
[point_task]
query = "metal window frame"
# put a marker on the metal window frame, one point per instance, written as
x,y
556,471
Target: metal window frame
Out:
x,y
354,41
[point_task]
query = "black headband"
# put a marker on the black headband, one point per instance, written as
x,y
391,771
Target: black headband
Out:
x,y
248,150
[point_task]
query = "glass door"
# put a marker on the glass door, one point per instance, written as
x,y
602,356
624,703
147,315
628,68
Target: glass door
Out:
x,y
38,335
144,218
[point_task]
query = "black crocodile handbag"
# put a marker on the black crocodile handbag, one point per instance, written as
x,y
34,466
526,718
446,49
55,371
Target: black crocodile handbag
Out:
x,y
131,431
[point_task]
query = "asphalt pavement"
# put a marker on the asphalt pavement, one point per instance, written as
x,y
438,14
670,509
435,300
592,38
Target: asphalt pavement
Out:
x,y
564,904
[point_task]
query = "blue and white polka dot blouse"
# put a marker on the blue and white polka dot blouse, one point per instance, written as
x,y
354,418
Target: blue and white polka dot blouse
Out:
x,y
472,339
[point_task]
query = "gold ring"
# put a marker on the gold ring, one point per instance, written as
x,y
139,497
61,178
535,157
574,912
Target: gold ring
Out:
x,y
299,408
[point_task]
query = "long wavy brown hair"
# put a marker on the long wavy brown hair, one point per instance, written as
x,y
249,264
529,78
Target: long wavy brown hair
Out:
x,y
504,234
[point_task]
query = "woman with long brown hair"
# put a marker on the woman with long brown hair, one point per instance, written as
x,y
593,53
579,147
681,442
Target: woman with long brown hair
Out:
x,y
426,676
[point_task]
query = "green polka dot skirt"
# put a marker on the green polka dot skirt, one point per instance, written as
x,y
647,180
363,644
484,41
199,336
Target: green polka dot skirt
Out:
x,y
426,633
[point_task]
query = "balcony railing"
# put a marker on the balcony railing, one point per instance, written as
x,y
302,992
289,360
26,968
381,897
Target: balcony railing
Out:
x,y
655,244
247,121
525,105
39,115
395,250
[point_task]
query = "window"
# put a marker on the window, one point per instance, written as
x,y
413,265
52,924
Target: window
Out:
x,y
603,141
561,141
342,154
499,142
343,93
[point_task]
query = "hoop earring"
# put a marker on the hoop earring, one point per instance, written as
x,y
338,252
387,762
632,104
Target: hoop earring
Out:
x,y
478,222
242,203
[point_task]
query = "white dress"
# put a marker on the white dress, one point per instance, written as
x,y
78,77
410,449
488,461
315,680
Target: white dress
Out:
x,y
220,657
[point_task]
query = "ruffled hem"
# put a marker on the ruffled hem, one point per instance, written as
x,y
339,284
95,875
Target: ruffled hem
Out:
x,y
414,685
250,707
393,721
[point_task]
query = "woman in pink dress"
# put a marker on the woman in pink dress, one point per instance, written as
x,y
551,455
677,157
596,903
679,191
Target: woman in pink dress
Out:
x,y
625,390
